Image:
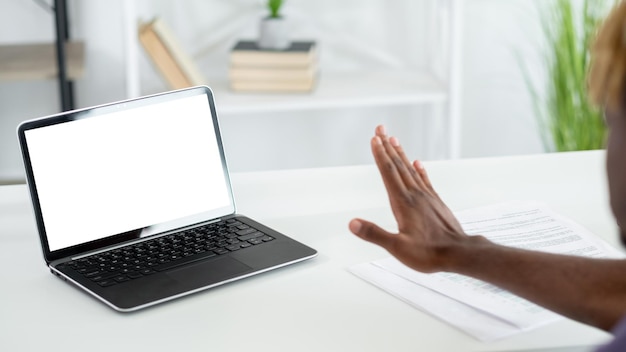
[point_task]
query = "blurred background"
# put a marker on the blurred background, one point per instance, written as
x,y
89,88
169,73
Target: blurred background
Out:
x,y
450,78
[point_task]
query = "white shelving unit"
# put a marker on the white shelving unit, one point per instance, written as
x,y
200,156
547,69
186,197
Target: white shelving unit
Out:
x,y
437,84
341,90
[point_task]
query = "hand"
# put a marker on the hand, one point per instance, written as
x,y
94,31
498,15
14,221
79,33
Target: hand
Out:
x,y
427,228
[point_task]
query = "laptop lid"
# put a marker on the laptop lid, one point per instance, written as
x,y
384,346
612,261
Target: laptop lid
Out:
x,y
109,174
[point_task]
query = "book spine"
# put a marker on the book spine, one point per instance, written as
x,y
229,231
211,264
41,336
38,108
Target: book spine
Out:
x,y
271,60
272,74
162,58
173,46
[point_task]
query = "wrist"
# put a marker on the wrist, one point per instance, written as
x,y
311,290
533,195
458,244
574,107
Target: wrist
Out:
x,y
463,254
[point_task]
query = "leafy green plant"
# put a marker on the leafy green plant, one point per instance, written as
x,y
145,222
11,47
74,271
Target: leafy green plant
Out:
x,y
568,120
274,7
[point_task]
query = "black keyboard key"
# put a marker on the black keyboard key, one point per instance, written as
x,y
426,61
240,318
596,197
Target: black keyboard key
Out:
x,y
134,275
245,231
93,273
255,241
250,236
106,283
183,261
103,276
121,278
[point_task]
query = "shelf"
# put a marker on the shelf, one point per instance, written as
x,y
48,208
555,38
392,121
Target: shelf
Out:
x,y
439,40
338,90
38,61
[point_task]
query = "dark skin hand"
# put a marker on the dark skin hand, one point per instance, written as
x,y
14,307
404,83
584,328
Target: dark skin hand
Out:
x,y
424,233
430,239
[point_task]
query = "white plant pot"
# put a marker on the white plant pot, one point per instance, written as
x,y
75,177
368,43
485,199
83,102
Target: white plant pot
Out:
x,y
273,34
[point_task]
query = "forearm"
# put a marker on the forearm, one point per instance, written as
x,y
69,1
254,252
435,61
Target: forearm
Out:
x,y
592,291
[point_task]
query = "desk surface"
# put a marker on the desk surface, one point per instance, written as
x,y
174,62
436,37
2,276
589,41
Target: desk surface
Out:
x,y
315,305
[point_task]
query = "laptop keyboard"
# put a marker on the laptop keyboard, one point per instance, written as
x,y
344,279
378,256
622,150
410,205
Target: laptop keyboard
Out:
x,y
167,252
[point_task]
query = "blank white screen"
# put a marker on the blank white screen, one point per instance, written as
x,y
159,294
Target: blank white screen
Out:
x,y
122,171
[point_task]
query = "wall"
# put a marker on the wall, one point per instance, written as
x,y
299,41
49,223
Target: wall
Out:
x,y
498,116
496,111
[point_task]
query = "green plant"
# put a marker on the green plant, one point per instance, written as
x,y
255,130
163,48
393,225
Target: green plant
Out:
x,y
274,7
568,120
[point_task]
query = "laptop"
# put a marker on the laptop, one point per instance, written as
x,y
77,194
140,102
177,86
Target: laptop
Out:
x,y
134,204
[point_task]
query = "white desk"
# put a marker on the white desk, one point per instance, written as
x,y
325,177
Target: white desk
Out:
x,y
312,306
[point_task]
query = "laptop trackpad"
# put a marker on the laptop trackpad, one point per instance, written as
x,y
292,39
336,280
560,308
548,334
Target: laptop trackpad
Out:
x,y
209,272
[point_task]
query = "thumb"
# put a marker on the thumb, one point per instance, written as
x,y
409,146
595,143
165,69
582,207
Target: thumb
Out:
x,y
372,233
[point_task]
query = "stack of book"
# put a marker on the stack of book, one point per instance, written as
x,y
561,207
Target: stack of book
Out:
x,y
294,69
167,54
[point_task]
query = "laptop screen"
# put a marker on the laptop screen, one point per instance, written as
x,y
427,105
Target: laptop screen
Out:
x,y
128,167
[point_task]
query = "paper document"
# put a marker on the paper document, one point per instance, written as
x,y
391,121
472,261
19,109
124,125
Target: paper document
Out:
x,y
518,224
483,326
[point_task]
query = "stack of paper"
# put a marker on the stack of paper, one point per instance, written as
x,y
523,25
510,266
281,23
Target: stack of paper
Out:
x,y
476,307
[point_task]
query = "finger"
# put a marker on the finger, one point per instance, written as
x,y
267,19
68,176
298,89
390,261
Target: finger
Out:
x,y
405,169
381,131
387,168
386,162
416,178
419,166
372,233
421,170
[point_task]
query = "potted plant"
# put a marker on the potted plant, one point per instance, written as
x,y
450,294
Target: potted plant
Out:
x,y
273,32
567,119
